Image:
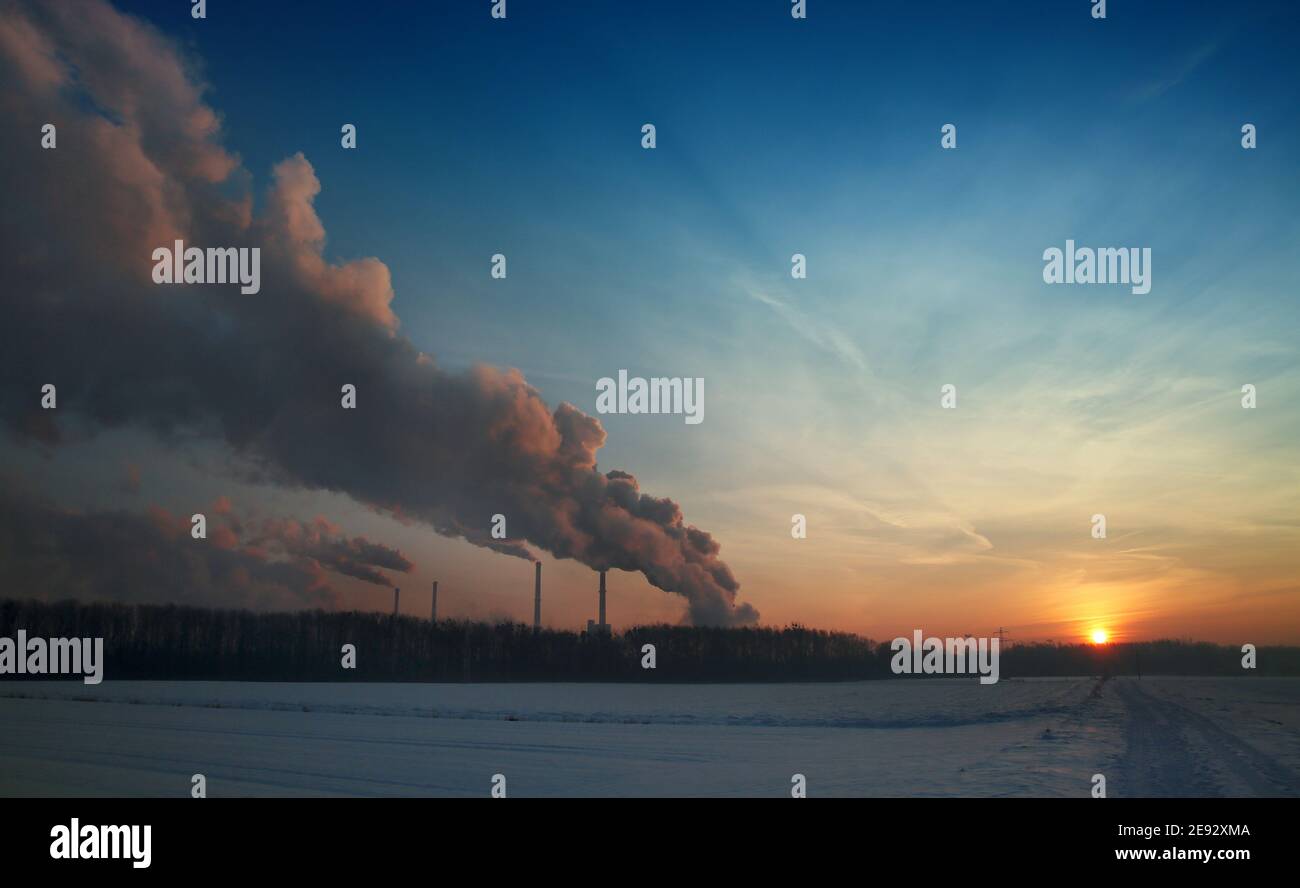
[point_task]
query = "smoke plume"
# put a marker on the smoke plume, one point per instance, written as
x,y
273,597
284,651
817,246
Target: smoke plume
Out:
x,y
138,166
131,557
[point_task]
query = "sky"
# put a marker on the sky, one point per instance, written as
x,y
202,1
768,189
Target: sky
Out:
x,y
775,136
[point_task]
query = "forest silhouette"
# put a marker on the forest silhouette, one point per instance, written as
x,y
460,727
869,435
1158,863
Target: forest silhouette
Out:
x,y
169,642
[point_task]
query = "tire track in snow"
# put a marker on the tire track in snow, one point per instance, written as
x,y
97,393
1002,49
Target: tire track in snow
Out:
x,y
1174,751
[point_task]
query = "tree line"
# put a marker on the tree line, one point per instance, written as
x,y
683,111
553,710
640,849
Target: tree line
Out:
x,y
170,642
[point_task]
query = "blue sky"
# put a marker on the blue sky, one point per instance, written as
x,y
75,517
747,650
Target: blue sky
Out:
x,y
821,136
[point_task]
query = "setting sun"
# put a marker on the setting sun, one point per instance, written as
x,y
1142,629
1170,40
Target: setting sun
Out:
x,y
1099,636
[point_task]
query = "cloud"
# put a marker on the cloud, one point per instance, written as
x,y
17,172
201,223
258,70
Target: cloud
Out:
x,y
48,552
324,543
139,165
826,336
1154,89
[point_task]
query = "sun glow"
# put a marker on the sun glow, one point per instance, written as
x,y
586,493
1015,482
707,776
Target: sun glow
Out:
x,y
1099,636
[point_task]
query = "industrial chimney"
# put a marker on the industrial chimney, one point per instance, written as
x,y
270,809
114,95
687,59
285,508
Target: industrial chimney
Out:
x,y
396,592
433,613
602,600
537,599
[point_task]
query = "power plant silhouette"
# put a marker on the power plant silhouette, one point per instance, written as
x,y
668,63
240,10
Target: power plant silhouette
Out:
x,y
594,627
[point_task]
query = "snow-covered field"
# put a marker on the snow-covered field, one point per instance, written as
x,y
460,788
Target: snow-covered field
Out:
x,y
903,737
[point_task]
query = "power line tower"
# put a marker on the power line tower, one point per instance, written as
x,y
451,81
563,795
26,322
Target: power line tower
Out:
x,y
1002,646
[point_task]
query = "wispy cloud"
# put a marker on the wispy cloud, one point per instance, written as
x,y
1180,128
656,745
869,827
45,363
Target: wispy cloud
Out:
x,y
1154,89
819,332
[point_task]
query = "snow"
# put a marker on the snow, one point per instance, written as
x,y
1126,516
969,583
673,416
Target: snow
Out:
x,y
1266,710
927,737
1212,736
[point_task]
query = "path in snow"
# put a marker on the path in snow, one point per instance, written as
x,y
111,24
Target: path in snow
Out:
x,y
1175,751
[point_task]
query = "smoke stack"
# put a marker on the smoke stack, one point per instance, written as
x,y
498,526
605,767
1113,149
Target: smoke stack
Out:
x,y
602,598
537,599
396,593
433,612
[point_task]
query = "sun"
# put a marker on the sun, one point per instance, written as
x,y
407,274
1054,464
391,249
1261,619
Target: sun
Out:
x,y
1099,636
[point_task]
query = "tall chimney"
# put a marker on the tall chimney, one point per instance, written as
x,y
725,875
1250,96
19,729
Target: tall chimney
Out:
x,y
537,599
396,592
602,598
433,613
